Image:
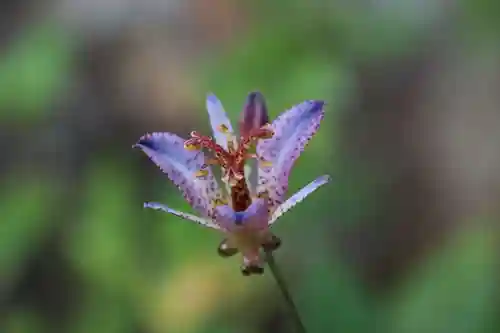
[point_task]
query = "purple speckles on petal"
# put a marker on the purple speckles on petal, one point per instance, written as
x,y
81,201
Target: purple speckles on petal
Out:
x,y
293,129
167,151
279,144
185,216
317,106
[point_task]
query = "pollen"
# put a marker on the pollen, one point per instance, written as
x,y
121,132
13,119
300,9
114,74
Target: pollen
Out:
x,y
201,173
219,202
267,134
223,128
191,146
266,164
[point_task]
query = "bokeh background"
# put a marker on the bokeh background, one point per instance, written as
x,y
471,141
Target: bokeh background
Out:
x,y
404,239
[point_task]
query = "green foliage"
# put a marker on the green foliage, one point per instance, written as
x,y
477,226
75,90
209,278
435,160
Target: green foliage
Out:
x,y
33,72
99,241
26,204
454,290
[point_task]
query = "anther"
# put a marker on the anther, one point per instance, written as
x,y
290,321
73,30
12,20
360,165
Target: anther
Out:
x,y
190,146
267,134
266,164
219,202
195,134
223,128
201,173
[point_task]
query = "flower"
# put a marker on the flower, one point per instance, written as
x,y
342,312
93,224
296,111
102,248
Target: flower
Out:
x,y
242,213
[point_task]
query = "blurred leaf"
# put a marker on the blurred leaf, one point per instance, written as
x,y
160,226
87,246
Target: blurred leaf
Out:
x,y
372,34
330,297
34,68
481,19
25,205
104,312
20,320
455,290
355,190
102,245
286,63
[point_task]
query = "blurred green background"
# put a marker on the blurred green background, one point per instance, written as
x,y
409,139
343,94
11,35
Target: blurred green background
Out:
x,y
403,240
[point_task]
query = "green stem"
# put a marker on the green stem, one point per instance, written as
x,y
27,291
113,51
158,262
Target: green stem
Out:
x,y
292,309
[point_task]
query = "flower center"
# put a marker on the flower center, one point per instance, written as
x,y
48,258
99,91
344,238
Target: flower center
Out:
x,y
232,160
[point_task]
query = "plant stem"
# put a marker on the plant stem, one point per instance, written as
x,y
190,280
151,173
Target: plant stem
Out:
x,y
292,309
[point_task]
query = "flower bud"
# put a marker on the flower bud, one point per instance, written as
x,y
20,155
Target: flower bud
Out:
x,y
254,114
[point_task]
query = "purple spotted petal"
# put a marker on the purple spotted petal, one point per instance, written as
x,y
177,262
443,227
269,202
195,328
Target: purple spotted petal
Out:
x,y
254,114
298,197
167,151
218,117
292,131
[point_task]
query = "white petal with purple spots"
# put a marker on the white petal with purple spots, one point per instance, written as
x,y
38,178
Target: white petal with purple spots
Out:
x,y
204,222
292,131
167,151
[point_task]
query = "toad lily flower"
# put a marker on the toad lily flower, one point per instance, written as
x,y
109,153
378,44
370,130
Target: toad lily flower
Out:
x,y
242,213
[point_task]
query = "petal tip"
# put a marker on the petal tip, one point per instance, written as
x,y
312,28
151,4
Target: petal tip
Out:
x,y
155,205
323,179
211,98
254,94
254,114
317,105
146,142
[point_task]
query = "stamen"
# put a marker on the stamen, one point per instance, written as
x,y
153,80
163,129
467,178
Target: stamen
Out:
x,y
230,143
191,146
233,181
201,173
265,132
263,195
219,202
238,176
223,128
266,164
198,142
254,136
195,134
